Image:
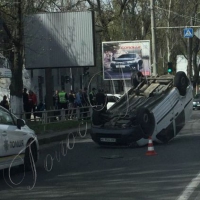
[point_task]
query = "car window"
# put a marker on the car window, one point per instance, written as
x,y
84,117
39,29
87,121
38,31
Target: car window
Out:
x,y
127,56
5,118
112,99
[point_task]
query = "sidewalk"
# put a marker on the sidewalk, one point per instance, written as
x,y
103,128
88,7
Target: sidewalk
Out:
x,y
53,136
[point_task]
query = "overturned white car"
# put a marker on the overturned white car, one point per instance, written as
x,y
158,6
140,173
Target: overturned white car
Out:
x,y
156,107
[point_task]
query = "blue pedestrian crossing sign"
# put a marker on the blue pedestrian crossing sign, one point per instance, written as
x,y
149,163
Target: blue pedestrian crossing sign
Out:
x,y
188,32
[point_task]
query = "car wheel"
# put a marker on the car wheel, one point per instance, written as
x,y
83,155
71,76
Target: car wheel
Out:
x,y
146,121
30,157
181,82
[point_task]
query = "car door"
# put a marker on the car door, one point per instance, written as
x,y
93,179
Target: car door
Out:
x,y
3,148
14,139
163,113
3,134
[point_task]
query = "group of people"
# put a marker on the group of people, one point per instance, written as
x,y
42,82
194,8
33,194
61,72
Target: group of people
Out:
x,y
81,99
99,98
64,100
29,102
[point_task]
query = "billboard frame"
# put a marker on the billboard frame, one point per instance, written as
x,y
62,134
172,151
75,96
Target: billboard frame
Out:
x,y
29,66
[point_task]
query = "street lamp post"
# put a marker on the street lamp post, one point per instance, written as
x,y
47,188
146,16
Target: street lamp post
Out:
x,y
154,53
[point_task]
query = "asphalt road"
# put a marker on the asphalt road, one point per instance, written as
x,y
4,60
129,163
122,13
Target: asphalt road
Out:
x,y
87,172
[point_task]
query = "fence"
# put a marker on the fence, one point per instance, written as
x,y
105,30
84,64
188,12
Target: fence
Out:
x,y
55,116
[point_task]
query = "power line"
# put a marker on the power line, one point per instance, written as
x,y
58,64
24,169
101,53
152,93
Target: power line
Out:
x,y
180,15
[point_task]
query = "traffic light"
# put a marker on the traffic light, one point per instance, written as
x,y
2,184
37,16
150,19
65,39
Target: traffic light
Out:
x,y
85,71
170,67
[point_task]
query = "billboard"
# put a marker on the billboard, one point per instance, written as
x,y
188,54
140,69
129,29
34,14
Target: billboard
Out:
x,y
120,58
58,40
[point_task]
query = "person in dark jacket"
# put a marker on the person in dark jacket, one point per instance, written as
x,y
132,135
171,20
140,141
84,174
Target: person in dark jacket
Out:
x,y
56,103
101,99
5,103
85,102
56,100
92,97
136,78
71,106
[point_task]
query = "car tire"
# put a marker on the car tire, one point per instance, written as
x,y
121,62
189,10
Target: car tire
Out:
x,y
146,121
181,82
30,157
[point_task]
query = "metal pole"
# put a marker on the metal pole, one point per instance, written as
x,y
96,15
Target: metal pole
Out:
x,y
189,67
71,79
154,53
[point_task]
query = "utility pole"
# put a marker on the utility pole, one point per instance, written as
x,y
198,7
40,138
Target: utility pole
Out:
x,y
189,67
153,33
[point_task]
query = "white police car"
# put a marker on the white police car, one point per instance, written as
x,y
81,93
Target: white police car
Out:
x,y
18,143
158,107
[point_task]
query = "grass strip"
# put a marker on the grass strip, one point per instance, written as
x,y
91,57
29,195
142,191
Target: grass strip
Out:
x,y
58,126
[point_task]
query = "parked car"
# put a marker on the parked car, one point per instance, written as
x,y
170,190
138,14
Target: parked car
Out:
x,y
18,143
158,107
112,99
196,102
129,61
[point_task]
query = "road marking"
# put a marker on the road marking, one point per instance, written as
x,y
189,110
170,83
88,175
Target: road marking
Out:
x,y
190,188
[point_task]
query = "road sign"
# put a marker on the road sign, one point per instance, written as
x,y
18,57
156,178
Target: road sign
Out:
x,y
188,32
